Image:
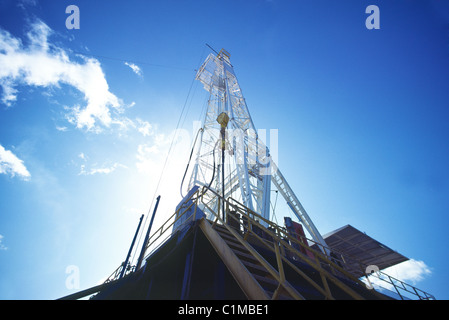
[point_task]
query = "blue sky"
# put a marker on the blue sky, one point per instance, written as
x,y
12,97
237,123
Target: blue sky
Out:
x,y
87,117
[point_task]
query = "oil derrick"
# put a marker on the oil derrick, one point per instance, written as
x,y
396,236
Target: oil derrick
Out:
x,y
220,242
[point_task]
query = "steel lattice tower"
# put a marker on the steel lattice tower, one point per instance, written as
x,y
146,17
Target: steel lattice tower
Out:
x,y
240,165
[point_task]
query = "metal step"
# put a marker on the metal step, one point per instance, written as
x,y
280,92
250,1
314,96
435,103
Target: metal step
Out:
x,y
259,272
266,283
280,296
256,268
245,279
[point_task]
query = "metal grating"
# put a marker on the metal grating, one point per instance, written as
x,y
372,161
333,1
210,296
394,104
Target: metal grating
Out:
x,y
361,249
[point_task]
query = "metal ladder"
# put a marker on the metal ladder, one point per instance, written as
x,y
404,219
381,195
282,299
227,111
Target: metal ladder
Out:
x,y
255,276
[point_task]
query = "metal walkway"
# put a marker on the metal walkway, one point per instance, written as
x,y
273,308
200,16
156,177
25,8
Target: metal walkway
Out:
x,y
262,261
236,240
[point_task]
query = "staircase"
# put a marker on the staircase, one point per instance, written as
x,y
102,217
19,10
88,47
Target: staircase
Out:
x,y
256,255
255,276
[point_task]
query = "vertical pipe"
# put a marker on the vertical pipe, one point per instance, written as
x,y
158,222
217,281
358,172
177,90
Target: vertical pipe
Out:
x,y
222,174
223,120
142,252
130,249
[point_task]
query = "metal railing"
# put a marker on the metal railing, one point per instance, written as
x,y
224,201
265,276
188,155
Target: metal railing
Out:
x,y
401,289
281,243
338,263
156,240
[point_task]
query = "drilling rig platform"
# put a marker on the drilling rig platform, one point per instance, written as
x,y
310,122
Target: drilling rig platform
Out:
x,y
220,243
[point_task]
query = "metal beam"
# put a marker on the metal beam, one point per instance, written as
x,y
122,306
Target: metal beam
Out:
x,y
145,242
130,249
284,188
244,278
87,292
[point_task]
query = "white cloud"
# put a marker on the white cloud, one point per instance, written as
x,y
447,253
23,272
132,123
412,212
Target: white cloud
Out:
x,y
42,64
102,169
144,127
82,156
63,128
135,68
11,164
167,153
148,159
24,3
124,124
2,246
411,272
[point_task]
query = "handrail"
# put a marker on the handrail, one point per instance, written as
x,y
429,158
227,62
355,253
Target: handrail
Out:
x,y
158,234
278,276
422,295
332,262
279,258
284,241
178,214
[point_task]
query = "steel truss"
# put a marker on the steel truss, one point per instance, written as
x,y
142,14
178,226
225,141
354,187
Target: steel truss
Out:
x,y
249,169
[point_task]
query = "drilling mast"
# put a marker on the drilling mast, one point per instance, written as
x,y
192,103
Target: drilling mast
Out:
x,y
225,220
244,169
